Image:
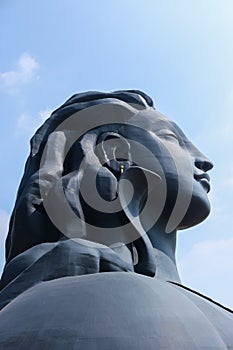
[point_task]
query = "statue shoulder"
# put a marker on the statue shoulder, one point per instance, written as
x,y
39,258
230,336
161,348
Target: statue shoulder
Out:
x,y
117,310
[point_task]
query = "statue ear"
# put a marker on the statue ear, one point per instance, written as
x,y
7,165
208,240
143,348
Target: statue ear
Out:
x,y
113,151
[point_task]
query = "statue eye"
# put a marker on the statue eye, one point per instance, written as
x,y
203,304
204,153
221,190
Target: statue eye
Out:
x,y
168,135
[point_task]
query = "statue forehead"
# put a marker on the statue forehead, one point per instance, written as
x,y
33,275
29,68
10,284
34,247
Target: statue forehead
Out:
x,y
153,121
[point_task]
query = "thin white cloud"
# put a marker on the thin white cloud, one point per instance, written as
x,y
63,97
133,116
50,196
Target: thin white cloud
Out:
x,y
228,178
28,124
44,114
4,221
218,133
217,142
208,268
24,73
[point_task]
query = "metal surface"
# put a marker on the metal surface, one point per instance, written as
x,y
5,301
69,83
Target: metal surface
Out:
x,y
91,245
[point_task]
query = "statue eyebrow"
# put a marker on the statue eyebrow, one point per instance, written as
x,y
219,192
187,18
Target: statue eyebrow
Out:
x,y
173,127
179,132
167,125
166,131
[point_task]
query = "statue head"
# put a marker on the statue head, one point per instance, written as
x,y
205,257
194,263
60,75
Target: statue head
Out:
x,y
107,167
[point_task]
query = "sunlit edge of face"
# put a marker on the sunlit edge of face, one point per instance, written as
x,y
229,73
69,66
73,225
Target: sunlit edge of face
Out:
x,y
172,136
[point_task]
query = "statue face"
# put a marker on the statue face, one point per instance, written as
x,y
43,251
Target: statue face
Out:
x,y
181,166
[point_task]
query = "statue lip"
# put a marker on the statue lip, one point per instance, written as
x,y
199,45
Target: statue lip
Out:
x,y
204,179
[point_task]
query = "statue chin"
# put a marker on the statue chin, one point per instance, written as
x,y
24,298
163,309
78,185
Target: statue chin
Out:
x,y
198,211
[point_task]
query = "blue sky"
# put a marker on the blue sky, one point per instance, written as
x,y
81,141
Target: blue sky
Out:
x,y
179,52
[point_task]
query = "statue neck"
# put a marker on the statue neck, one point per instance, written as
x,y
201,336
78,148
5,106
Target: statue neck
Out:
x,y
164,245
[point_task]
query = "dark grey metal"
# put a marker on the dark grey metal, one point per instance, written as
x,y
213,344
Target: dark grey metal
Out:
x,y
101,272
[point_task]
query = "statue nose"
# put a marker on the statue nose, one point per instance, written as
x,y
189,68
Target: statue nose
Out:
x,y
204,164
